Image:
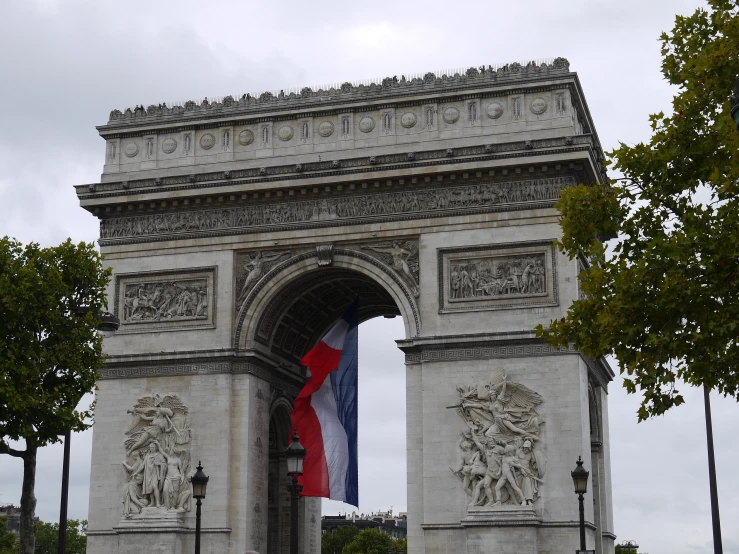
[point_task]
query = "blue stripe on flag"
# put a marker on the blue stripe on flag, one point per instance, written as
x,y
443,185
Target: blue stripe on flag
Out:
x,y
344,383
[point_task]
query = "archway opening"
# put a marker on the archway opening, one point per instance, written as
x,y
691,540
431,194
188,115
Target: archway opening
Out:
x,y
291,323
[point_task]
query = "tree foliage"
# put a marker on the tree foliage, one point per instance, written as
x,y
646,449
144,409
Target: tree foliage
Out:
x,y
335,541
371,541
8,539
47,537
51,351
665,300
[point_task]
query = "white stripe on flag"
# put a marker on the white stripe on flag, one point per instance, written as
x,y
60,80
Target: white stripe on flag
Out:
x,y
335,443
336,335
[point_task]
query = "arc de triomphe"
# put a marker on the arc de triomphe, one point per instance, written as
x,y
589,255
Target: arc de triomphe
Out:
x,y
239,229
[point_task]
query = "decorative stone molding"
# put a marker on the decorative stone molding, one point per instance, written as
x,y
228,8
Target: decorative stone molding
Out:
x,y
207,141
325,254
246,137
326,129
494,110
285,133
166,300
351,207
451,115
408,120
538,106
169,145
360,92
366,124
483,352
500,276
132,148
498,151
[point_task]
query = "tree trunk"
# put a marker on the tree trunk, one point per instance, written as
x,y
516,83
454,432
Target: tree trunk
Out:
x,y
28,503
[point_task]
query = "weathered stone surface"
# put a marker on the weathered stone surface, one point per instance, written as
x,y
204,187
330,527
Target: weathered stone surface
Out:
x,y
238,229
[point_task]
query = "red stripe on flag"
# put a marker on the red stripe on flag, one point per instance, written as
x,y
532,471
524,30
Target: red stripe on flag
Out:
x,y
315,470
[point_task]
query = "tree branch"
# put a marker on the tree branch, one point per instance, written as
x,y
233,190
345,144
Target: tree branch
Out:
x,y
5,449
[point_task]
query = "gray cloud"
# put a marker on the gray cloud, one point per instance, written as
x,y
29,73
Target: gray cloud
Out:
x,y
66,64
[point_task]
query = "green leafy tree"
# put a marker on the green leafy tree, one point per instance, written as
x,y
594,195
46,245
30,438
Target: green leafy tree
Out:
x,y
8,539
370,541
47,537
335,541
665,300
51,351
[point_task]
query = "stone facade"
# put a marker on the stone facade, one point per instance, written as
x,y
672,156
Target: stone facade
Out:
x,y
239,229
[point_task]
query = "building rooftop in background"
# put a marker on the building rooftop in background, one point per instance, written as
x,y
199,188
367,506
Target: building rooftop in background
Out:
x,y
384,522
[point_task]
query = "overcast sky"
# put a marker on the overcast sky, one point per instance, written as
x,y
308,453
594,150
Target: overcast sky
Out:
x,y
65,64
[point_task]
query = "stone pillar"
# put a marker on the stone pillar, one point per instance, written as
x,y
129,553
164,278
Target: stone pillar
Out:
x,y
414,450
249,463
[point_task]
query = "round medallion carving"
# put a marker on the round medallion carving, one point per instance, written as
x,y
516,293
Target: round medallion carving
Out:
x,y
169,145
131,149
207,141
539,106
326,129
366,124
451,115
408,120
246,137
285,133
495,110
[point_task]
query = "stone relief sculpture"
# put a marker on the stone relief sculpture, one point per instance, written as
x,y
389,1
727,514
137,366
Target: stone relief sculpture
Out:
x,y
253,268
346,207
497,276
402,256
500,463
166,300
157,457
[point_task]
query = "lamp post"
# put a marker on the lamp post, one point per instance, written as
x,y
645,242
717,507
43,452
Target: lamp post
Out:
x,y
295,455
107,325
580,480
199,484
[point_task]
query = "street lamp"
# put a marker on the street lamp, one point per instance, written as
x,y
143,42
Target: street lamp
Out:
x,y
199,484
580,480
107,325
295,455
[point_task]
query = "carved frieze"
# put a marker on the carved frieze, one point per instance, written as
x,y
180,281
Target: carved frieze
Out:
x,y
501,462
497,276
169,145
157,463
166,300
402,256
251,267
397,203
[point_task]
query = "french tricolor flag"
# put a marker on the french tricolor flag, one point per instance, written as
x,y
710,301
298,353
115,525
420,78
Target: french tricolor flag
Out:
x,y
325,414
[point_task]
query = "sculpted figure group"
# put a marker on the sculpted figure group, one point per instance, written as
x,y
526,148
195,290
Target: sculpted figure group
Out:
x,y
166,300
500,463
497,276
157,457
341,207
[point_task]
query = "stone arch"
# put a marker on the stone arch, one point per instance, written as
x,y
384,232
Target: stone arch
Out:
x,y
289,283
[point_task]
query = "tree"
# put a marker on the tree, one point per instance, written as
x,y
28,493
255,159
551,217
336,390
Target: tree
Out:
x,y
51,351
370,541
47,537
665,300
8,539
335,541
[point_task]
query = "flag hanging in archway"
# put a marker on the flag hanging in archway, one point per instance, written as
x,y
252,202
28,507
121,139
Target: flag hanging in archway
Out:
x,y
325,413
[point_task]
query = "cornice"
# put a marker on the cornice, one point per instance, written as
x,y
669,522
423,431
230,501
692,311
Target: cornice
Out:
x,y
389,89
238,178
